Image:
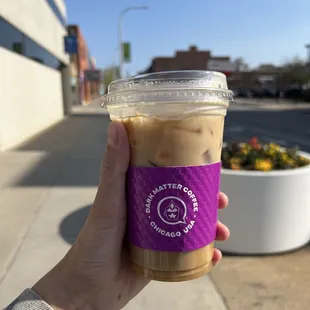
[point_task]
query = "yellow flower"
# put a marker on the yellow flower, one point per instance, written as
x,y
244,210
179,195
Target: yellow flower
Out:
x,y
235,163
291,162
284,156
235,160
235,167
271,152
244,150
303,160
263,164
274,147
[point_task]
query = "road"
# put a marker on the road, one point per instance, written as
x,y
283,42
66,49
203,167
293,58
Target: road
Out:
x,y
285,123
288,128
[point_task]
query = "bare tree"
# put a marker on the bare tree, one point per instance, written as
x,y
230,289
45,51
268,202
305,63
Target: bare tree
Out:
x,y
241,65
109,75
294,73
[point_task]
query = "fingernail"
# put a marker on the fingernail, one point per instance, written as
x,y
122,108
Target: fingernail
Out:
x,y
113,136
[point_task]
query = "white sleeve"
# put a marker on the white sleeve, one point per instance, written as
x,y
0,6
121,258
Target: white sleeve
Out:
x,y
28,300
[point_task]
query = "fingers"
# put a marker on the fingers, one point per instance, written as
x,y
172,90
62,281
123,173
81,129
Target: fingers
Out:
x,y
217,256
222,232
223,200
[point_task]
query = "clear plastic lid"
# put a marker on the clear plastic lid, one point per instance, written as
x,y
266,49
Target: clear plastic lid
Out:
x,y
169,87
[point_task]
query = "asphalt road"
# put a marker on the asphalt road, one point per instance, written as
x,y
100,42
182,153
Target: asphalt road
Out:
x,y
288,128
248,118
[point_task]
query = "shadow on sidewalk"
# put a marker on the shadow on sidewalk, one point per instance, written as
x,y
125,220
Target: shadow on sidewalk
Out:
x,y
72,151
72,224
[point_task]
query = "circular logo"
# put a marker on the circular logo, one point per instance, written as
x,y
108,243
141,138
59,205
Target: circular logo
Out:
x,y
172,210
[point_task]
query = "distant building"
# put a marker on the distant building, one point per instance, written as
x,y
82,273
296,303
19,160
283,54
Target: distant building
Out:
x,y
33,68
192,59
81,61
237,72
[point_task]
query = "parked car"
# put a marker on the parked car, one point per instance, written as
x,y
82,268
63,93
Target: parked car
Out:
x,y
257,93
293,94
243,93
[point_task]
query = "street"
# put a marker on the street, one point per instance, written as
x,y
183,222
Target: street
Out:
x,y
287,128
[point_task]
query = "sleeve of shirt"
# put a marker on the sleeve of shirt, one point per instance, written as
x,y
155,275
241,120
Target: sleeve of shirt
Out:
x,y
29,300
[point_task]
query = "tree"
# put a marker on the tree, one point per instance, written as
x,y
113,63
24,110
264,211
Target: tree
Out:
x,y
109,75
295,73
241,65
268,68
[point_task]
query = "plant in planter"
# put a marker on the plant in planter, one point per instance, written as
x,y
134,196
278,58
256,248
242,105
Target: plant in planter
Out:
x,y
268,188
259,156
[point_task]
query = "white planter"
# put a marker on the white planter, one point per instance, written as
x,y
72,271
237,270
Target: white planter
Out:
x,y
269,212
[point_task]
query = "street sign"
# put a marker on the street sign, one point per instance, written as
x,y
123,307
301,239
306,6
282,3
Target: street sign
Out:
x,y
71,45
127,52
92,75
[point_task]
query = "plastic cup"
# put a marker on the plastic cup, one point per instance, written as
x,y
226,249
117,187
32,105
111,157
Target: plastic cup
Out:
x,y
174,122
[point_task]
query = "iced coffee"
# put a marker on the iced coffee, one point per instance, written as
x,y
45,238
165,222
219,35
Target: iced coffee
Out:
x,y
175,129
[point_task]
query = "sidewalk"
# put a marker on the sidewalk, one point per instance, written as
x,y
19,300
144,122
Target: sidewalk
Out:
x,y
47,187
270,104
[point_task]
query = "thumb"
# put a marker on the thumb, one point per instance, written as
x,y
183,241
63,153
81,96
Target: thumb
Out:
x,y
110,199
102,235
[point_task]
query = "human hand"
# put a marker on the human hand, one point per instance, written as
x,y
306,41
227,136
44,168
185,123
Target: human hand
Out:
x,y
96,272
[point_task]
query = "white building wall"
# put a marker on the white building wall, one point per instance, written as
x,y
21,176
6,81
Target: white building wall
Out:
x,y
30,98
36,19
62,7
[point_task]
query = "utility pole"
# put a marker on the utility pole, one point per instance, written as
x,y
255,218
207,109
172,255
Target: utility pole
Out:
x,y
115,65
120,34
307,46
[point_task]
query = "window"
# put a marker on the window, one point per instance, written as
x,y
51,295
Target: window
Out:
x,y
39,54
10,37
57,12
16,41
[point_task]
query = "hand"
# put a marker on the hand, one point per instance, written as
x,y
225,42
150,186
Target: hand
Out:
x,y
96,272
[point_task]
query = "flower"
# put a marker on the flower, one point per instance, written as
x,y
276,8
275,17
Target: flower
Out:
x,y
263,164
235,163
244,149
253,141
272,149
256,155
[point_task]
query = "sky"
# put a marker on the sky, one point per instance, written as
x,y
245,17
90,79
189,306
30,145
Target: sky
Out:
x,y
260,31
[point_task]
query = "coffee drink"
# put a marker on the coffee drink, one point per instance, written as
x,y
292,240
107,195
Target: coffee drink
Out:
x,y
175,139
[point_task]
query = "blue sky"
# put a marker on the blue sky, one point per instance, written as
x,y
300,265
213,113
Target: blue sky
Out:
x,y
260,31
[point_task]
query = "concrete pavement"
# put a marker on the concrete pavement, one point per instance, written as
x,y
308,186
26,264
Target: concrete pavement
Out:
x,y
275,282
47,187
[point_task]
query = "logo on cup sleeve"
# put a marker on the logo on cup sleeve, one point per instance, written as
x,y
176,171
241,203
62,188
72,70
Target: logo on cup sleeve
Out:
x,y
172,210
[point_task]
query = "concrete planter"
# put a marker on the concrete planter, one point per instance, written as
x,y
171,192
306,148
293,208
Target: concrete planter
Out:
x,y
269,212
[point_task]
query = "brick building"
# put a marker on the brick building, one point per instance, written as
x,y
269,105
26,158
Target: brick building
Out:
x,y
83,90
191,59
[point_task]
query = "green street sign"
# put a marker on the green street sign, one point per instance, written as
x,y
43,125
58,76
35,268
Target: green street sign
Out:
x,y
126,52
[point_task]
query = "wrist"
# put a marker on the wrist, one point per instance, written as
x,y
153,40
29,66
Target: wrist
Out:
x,y
51,289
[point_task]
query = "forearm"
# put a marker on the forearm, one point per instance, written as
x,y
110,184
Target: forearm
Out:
x,y
51,289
